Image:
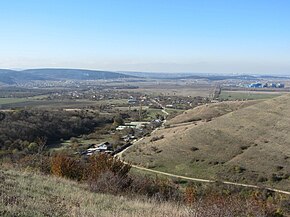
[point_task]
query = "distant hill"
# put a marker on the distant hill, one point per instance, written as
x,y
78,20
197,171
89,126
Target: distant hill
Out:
x,y
210,77
157,75
13,77
249,145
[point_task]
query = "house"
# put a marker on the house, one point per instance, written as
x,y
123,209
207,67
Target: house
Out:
x,y
132,100
133,125
128,138
169,106
105,147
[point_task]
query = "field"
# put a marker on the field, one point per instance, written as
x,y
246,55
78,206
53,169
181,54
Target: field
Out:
x,y
173,88
250,145
39,102
4,101
247,95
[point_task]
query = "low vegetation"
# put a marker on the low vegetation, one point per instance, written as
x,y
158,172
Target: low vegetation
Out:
x,y
103,187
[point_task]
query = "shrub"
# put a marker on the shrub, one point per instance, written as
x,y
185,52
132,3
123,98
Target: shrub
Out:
x,y
190,195
160,189
102,163
65,166
108,182
156,138
37,162
194,149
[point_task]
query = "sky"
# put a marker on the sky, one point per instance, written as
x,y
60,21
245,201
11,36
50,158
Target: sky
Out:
x,y
205,36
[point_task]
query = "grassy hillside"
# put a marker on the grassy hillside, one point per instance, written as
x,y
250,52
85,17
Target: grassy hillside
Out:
x,y
206,112
28,194
250,145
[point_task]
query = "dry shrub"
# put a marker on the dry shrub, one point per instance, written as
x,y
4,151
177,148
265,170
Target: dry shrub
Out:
x,y
190,195
65,166
107,174
108,182
231,205
99,164
157,188
37,162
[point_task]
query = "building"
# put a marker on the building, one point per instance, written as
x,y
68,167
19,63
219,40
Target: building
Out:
x,y
133,125
104,147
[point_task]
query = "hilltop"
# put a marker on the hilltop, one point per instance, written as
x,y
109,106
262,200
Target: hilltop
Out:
x,y
249,145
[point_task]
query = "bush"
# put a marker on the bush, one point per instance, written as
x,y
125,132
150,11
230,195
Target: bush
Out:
x,y
108,182
194,149
37,162
190,195
160,189
68,167
99,164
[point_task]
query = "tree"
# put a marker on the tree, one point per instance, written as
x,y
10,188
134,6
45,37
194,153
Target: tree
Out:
x,y
118,121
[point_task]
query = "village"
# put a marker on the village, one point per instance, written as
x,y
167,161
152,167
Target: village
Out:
x,y
138,117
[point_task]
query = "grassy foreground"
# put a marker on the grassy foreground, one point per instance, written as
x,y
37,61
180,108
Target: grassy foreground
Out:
x,y
29,194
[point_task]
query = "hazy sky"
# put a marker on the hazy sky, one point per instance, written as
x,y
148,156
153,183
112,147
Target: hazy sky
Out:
x,y
232,36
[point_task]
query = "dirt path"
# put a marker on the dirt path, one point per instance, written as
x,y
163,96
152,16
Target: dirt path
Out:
x,y
208,180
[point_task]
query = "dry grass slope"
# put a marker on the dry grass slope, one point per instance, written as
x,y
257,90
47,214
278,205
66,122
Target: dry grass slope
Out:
x,y
206,112
28,194
248,145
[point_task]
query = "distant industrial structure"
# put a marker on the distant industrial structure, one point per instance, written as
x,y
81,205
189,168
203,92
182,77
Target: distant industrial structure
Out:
x,y
266,85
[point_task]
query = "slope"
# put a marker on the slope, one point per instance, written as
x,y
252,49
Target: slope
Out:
x,y
209,111
29,194
249,145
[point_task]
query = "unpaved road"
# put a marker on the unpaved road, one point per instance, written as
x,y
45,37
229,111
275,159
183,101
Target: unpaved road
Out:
x,y
208,180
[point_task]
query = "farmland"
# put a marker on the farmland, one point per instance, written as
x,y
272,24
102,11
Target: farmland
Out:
x,y
247,95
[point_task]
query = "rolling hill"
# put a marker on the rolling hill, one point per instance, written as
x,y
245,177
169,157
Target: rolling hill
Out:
x,y
249,145
209,111
13,77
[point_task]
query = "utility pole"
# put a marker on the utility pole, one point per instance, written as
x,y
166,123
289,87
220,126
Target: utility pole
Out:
x,y
140,110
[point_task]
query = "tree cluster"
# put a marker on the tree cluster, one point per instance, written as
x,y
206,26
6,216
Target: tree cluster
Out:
x,y
20,129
